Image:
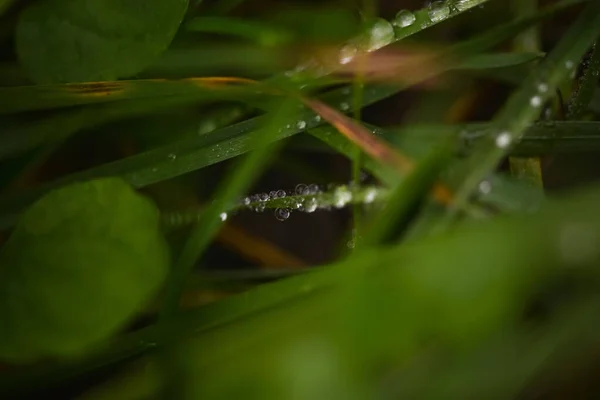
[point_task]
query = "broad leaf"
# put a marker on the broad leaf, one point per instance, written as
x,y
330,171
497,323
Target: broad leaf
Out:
x,y
94,40
81,261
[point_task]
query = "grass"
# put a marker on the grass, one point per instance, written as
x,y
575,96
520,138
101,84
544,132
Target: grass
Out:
x,y
428,137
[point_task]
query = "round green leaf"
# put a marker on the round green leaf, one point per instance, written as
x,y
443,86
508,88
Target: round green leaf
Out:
x,y
94,40
81,262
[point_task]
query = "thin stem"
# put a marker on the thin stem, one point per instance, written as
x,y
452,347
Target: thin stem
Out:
x,y
528,169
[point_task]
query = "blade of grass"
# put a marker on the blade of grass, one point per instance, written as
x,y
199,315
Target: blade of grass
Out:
x,y
369,143
579,103
407,193
523,106
529,169
16,99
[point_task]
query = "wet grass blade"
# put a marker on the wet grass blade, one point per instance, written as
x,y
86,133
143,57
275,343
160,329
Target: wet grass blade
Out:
x,y
230,190
523,106
587,85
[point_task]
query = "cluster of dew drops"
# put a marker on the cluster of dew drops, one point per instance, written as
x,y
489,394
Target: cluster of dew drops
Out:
x,y
308,199
382,32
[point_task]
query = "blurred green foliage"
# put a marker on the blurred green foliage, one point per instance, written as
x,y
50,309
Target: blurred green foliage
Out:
x,y
456,280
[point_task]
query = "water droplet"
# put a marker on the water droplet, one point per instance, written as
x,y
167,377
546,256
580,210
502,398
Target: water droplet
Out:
x,y
301,124
223,216
381,34
503,140
282,214
263,197
247,201
281,194
302,189
535,101
317,118
313,189
260,207
310,205
172,157
404,18
273,194
347,53
569,64
462,5
542,88
438,11
344,106
341,196
485,187
370,195
351,244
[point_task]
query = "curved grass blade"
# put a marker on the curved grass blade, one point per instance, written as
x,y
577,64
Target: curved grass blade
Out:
x,y
579,103
369,143
43,97
407,193
523,106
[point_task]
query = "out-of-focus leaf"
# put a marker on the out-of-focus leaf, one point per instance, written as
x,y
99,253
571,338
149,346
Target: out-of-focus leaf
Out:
x,y
417,306
95,40
81,262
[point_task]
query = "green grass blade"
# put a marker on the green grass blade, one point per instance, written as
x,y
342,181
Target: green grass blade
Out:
x,y
579,103
231,189
523,106
406,195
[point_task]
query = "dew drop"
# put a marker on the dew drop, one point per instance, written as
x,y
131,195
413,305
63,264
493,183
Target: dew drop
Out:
x,y
438,11
535,101
310,205
313,188
263,197
462,5
341,196
302,189
404,18
569,64
281,194
344,106
370,195
273,194
172,157
485,187
381,34
317,118
503,140
301,124
260,207
223,216
281,214
542,88
247,201
347,53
